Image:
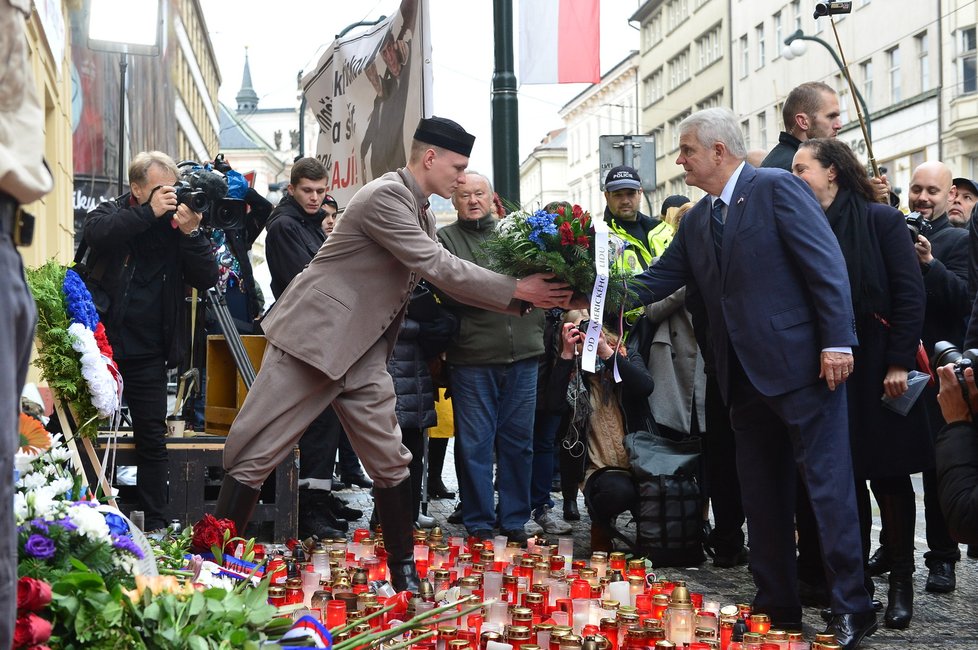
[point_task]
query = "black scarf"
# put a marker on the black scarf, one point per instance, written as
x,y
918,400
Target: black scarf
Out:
x,y
849,218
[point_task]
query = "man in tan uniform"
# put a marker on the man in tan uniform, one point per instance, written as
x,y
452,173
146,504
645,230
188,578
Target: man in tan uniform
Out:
x,y
333,329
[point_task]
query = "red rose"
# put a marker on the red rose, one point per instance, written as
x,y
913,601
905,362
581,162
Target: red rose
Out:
x,y
209,531
32,594
31,630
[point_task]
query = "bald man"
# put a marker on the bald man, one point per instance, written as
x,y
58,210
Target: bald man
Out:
x,y
942,251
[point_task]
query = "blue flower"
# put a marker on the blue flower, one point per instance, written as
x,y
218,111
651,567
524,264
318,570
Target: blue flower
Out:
x,y
541,223
117,525
79,301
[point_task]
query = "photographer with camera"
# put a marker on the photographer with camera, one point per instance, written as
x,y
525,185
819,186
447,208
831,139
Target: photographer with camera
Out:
x,y
144,247
942,251
957,451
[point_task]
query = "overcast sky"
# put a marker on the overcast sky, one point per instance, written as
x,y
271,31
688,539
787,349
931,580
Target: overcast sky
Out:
x,y
286,36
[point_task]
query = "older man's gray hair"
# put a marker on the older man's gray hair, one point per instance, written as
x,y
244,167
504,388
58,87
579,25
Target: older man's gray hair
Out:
x,y
716,125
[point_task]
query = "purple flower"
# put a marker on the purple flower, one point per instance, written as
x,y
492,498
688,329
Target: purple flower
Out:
x,y
40,547
126,544
39,524
66,523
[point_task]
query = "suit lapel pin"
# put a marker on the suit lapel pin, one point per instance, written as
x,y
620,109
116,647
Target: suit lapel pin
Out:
x,y
740,200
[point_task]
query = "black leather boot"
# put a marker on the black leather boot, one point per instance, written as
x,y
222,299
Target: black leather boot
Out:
x,y
236,502
898,516
393,506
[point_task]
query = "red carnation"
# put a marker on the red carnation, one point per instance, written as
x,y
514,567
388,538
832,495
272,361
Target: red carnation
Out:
x,y
578,212
31,630
32,594
566,234
209,531
584,241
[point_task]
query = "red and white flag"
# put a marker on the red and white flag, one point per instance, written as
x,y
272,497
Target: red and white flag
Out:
x,y
560,41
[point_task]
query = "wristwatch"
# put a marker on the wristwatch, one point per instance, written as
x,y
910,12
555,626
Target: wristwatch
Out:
x,y
193,233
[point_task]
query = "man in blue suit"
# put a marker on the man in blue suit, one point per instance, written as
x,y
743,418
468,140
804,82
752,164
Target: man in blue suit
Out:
x,y
773,284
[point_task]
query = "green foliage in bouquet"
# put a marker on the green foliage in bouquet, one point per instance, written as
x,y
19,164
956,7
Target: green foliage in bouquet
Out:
x,y
559,242
89,614
59,363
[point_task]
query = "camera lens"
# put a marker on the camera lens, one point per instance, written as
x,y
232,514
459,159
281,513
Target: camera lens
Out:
x,y
945,352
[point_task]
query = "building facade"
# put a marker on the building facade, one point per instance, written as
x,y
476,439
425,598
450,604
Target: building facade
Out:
x,y
608,107
683,67
956,52
543,174
895,70
49,48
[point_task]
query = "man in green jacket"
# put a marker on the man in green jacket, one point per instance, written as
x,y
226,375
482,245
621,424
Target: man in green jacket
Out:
x,y
493,380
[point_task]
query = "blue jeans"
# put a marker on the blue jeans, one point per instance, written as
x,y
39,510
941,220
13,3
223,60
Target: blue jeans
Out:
x,y
544,436
494,408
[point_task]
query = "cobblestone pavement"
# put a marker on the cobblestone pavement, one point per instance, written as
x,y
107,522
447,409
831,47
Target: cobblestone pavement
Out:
x,y
940,622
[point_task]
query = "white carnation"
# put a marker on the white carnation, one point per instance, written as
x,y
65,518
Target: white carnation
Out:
x,y
23,461
32,481
90,522
101,384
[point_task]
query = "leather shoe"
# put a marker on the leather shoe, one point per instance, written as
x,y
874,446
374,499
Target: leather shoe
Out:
x,y
456,516
941,579
730,560
439,491
850,629
341,509
878,563
360,480
571,513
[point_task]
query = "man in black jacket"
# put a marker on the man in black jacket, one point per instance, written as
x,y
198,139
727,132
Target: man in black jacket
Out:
x,y
145,246
811,110
943,254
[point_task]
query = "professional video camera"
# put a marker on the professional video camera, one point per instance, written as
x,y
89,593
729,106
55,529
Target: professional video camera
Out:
x,y
832,8
917,225
205,190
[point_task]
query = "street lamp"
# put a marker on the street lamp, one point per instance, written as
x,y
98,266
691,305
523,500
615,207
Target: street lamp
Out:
x,y
127,27
794,46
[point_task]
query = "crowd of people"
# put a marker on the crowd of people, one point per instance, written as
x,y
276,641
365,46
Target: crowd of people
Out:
x,y
776,323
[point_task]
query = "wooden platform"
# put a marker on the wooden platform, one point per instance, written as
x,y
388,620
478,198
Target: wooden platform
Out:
x,y
196,470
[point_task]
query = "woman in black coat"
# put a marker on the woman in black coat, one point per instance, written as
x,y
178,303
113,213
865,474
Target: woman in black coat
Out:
x,y
425,333
888,303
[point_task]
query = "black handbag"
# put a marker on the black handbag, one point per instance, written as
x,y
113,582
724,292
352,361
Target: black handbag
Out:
x,y
669,514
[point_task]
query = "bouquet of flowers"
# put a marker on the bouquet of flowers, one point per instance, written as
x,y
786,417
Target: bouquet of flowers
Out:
x,y
559,240
74,354
56,528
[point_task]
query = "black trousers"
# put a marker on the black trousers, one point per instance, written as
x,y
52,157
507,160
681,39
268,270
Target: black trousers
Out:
x,y
719,450
144,389
317,446
609,494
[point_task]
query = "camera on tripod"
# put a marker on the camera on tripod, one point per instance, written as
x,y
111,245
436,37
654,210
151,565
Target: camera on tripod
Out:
x,y
832,8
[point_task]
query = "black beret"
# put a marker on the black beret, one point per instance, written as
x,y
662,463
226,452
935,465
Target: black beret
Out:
x,y
444,133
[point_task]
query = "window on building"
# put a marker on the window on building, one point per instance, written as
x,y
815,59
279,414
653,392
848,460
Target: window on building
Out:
x,y
923,60
778,35
796,13
660,141
840,83
745,129
759,35
679,69
744,57
969,81
762,130
656,23
867,71
652,87
713,101
893,61
676,12
674,129
708,48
